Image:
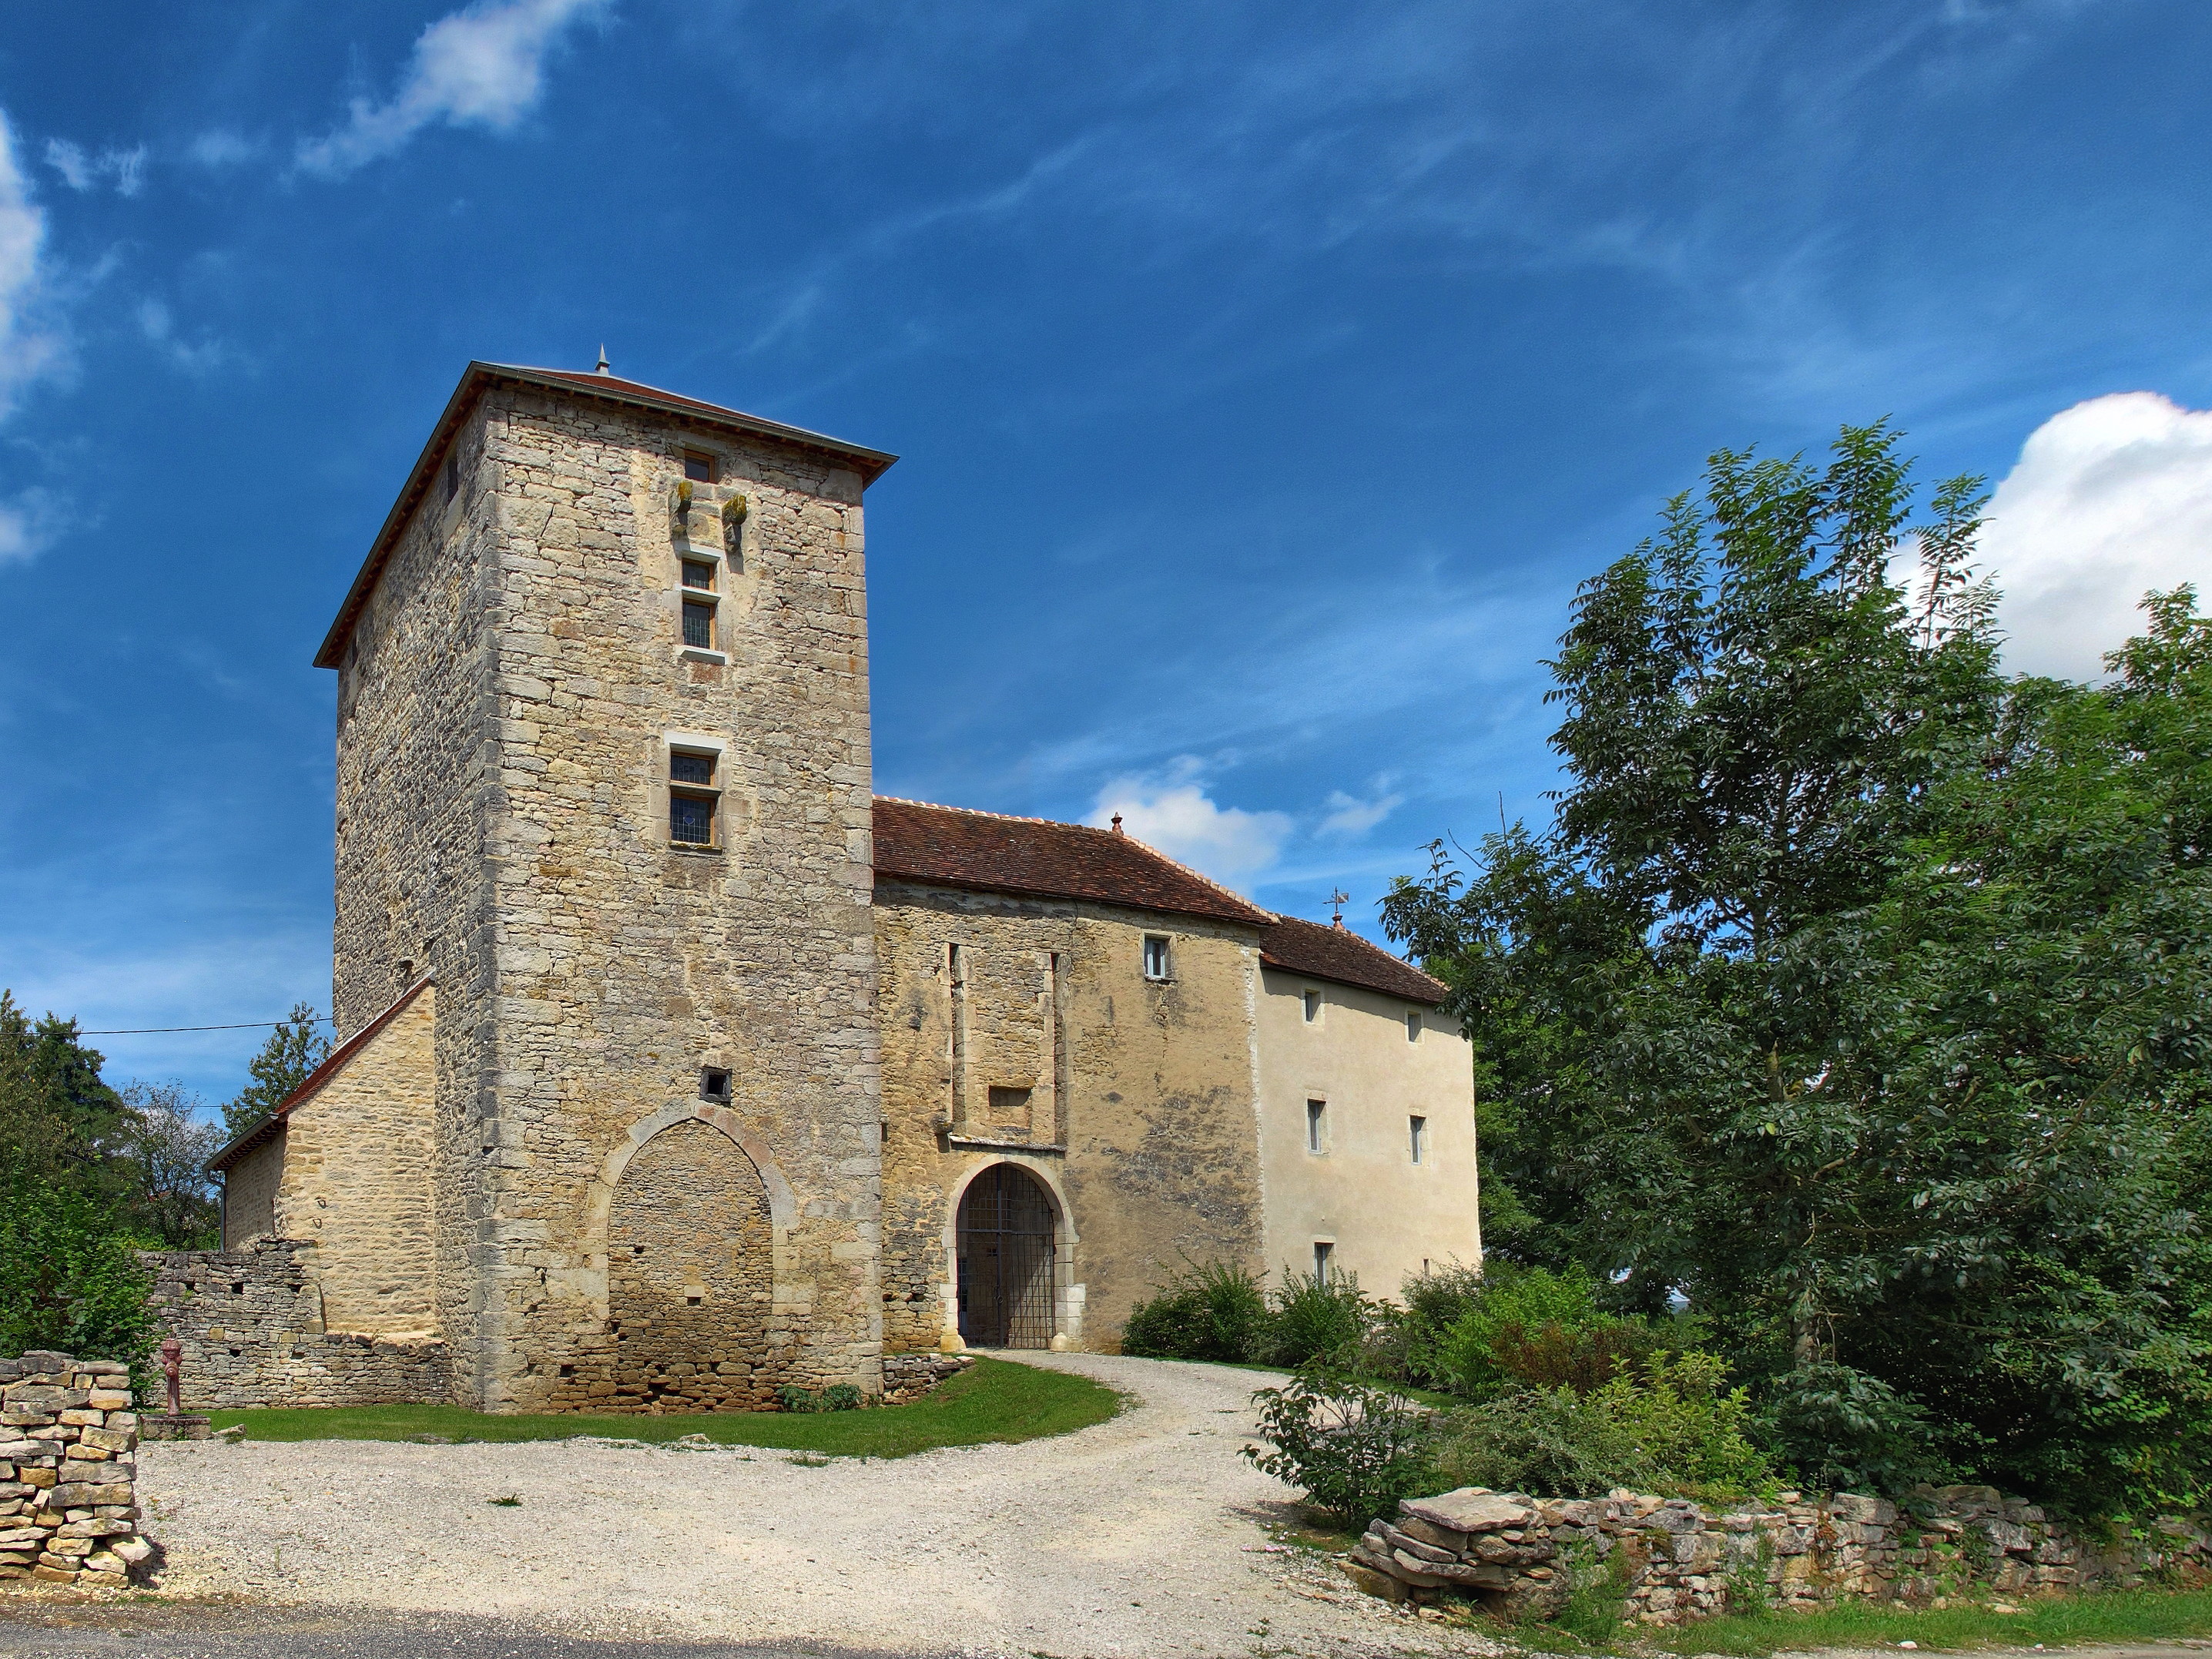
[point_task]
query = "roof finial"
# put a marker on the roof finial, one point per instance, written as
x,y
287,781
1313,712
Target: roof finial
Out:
x,y
1337,896
1117,824
603,368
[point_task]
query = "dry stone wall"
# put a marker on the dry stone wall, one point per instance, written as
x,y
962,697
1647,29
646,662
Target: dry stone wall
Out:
x,y
68,1507
251,1322
1676,1560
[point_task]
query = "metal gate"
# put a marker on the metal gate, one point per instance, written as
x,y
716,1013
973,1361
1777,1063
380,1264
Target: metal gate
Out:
x,y
1005,1261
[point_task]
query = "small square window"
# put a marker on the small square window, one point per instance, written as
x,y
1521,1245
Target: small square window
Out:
x,y
698,574
1317,1121
1413,1027
698,466
1324,1251
1312,1007
1156,956
714,1084
698,625
1417,1134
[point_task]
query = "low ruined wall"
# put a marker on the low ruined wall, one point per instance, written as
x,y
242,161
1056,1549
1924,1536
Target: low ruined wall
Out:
x,y
251,1321
68,1508
1675,1560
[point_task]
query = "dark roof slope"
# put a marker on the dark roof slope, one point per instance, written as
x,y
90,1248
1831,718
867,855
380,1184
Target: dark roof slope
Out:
x,y
952,847
249,1138
1339,954
870,464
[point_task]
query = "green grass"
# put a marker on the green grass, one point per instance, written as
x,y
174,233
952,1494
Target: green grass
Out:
x,y
997,1400
2069,1621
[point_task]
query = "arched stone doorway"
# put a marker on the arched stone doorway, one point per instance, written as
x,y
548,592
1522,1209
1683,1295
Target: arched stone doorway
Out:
x,y
1004,1259
689,1275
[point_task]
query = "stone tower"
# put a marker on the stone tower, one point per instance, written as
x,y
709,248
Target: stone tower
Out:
x,y
602,779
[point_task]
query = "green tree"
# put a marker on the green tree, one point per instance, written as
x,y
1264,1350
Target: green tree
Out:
x,y
293,1051
1848,995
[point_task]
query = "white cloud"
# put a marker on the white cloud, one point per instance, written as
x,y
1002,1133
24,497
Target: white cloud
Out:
x,y
160,329
82,171
1174,814
31,342
1350,817
220,149
2109,499
480,66
28,524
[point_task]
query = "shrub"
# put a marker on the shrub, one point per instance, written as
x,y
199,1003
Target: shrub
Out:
x,y
842,1397
1354,1450
1318,1319
69,1276
1847,1431
793,1398
1672,1428
1217,1312
1434,1302
1535,1328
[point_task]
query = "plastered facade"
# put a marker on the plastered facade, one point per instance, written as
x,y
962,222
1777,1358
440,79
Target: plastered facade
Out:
x,y
1384,1216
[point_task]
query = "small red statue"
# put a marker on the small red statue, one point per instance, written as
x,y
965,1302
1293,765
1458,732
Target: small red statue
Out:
x,y
173,1365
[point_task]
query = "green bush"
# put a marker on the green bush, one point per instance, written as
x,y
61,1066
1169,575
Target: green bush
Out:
x,y
1217,1312
1318,1319
1535,1328
842,1397
1434,1302
69,1276
1352,1450
1847,1431
793,1398
1673,1428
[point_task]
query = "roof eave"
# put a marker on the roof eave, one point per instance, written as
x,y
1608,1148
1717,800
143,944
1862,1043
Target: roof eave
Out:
x,y
1258,918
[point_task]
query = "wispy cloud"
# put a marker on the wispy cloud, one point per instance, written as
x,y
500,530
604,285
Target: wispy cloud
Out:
x,y
29,522
196,356
83,171
1173,812
31,343
2109,499
220,147
1349,818
482,66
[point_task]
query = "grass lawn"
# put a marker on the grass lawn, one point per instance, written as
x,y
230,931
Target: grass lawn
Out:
x,y
2120,1617
995,1400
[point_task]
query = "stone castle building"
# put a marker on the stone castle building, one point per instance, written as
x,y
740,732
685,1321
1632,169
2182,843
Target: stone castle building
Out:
x,y
677,1066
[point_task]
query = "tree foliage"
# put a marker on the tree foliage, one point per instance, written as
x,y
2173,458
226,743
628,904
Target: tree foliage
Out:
x,y
1856,993
293,1051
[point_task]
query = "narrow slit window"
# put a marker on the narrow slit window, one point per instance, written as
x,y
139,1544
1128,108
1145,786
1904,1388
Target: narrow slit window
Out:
x,y
1312,1007
1324,1251
1417,1133
1156,956
1316,1124
453,474
698,466
1413,1028
698,625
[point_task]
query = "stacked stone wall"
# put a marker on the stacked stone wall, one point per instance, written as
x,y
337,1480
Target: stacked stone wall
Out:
x,y
69,1439
251,1324
1674,1560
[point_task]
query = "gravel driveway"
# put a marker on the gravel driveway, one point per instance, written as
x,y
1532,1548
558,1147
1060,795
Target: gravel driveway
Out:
x,y
1145,1535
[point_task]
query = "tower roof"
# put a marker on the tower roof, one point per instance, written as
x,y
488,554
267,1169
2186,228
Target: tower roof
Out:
x,y
480,377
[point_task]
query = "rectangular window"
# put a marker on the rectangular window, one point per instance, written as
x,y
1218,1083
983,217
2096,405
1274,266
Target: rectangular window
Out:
x,y
714,1085
1323,1251
1156,956
453,473
1413,1028
698,467
1312,1006
1417,1134
1317,1114
698,625
692,797
699,575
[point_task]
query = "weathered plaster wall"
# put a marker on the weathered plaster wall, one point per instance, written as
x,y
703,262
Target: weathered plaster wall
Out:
x,y
626,963
1141,1117
249,1192
1385,1214
357,1156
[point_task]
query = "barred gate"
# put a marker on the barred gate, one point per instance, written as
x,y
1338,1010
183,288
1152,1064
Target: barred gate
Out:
x,y
1005,1261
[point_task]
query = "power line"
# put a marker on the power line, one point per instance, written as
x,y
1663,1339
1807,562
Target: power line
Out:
x,y
157,1030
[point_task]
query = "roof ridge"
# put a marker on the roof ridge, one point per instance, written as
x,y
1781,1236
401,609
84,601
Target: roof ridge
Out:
x,y
1199,876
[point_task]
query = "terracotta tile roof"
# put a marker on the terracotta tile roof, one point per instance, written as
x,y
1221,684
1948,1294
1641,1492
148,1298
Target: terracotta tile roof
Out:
x,y
1339,954
870,464
952,847
315,1081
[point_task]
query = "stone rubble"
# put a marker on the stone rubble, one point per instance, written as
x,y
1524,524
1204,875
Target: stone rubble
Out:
x,y
1680,1561
68,1511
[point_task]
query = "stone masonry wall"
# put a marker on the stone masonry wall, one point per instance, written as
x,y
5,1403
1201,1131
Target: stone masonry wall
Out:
x,y
1678,1561
251,1322
69,1437
1141,1118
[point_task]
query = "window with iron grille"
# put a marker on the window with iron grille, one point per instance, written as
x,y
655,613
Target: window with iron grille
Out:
x,y
699,575
698,625
692,797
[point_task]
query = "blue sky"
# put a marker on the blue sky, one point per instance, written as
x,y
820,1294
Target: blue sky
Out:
x,y
1265,378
